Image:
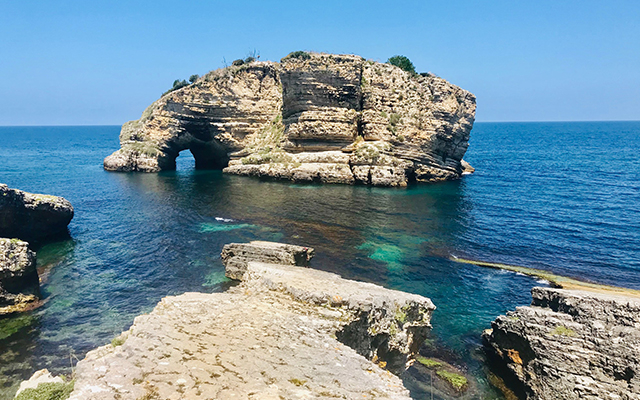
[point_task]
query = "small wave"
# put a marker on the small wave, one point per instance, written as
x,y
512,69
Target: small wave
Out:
x,y
543,281
224,219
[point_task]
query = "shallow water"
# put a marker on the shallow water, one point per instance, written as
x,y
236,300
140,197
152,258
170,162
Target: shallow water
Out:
x,y
558,196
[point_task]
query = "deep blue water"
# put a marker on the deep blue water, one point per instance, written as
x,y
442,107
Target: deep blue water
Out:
x,y
564,197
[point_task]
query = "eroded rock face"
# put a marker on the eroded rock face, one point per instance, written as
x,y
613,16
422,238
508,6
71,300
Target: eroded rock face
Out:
x,y
19,284
570,344
32,217
236,256
284,332
326,118
379,323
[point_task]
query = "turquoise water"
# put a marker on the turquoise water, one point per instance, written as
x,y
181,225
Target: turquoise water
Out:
x,y
564,197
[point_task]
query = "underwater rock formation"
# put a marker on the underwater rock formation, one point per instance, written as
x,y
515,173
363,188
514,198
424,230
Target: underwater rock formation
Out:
x,y
311,117
570,344
19,284
284,332
31,217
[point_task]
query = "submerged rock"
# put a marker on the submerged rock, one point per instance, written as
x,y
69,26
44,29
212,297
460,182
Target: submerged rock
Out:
x,y
570,344
32,217
316,117
284,332
19,284
236,256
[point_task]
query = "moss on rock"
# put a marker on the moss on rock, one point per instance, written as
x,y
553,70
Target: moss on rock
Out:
x,y
47,391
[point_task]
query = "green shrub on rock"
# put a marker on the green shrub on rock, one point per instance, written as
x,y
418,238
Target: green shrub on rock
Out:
x,y
299,55
403,63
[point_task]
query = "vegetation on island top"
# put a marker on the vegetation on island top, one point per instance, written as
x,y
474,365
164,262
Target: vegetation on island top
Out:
x,y
179,84
403,63
297,55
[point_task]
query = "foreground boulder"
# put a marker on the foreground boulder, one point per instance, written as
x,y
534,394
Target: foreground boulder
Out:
x,y
19,284
285,332
311,117
570,344
32,217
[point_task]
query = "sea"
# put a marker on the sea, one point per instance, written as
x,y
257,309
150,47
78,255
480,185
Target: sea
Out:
x,y
562,197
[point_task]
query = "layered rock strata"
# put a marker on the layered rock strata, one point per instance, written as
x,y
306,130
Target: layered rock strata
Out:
x,y
32,217
316,117
236,256
570,344
19,284
284,332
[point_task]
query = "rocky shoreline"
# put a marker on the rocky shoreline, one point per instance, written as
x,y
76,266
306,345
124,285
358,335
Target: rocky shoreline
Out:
x,y
289,331
570,344
26,217
312,117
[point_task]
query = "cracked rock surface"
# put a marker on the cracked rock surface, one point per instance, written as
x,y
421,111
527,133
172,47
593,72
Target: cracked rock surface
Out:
x,y
570,344
284,332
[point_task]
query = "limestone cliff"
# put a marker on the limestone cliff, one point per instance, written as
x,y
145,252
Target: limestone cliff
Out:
x,y
315,117
570,344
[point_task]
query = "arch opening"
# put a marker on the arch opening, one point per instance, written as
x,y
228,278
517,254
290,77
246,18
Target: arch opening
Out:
x,y
185,161
198,155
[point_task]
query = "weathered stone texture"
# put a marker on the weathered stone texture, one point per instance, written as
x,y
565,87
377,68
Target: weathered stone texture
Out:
x,y
570,344
19,284
263,118
32,217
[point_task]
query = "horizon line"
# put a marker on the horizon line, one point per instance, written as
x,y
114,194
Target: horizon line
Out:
x,y
476,122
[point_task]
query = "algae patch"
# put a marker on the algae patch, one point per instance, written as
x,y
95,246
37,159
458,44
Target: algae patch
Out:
x,y
48,391
458,381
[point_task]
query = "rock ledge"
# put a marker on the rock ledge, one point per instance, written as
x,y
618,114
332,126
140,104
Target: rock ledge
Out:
x,y
281,333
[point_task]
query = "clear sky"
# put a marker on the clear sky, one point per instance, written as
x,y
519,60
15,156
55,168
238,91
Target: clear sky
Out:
x,y
102,62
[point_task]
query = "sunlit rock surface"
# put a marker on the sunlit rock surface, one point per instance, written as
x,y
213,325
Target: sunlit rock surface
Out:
x,y
324,117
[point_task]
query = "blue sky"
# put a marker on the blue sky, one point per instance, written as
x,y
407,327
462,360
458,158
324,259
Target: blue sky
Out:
x,y
82,62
